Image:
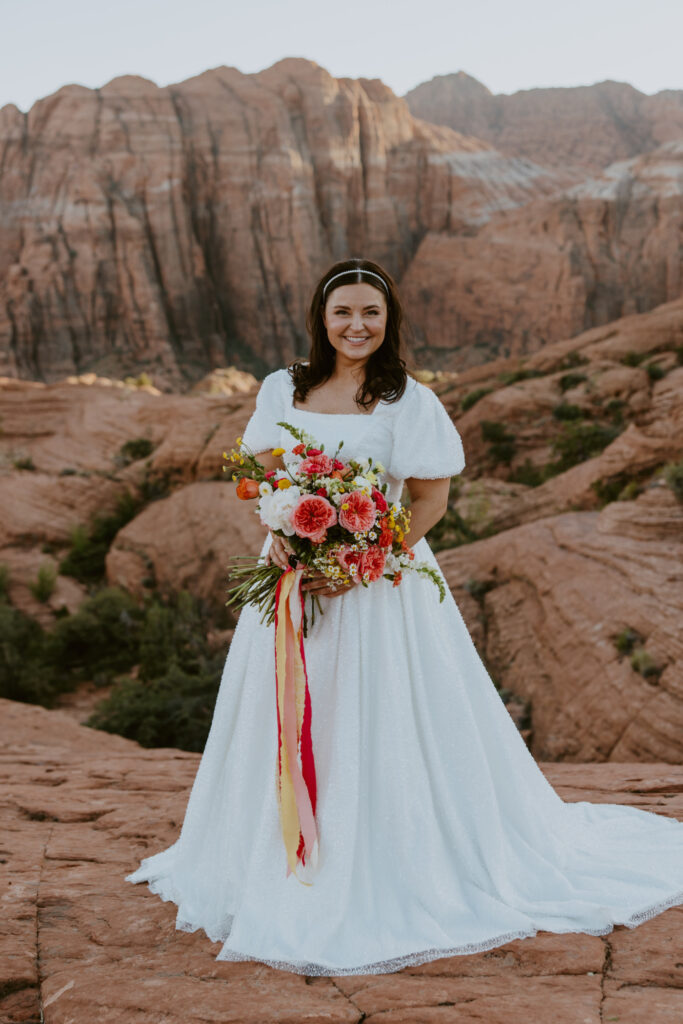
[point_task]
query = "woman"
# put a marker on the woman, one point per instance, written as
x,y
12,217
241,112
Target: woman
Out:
x,y
439,834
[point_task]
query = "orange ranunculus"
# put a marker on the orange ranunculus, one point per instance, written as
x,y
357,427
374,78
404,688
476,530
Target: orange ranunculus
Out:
x,y
247,488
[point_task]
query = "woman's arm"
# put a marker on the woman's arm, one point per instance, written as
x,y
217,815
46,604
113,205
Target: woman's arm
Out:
x,y
428,504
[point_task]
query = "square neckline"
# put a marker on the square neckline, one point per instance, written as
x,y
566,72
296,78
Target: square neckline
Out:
x,y
314,412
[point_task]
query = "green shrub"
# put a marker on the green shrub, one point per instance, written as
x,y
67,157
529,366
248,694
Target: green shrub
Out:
x,y
472,397
571,380
580,441
620,487
655,371
673,474
4,581
567,411
502,444
615,410
679,354
85,560
513,376
138,448
493,431
633,358
102,636
530,474
643,662
43,586
25,672
478,588
571,360
170,703
26,462
627,640
173,710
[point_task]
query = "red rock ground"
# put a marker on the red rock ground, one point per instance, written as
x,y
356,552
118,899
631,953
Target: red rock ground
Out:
x,y
80,945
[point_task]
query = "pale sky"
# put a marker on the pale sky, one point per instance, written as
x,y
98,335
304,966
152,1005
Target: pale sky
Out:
x,y
507,45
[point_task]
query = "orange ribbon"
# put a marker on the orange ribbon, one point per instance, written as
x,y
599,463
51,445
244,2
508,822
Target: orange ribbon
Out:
x,y
296,783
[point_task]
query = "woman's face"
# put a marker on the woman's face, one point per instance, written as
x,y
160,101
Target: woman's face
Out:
x,y
355,316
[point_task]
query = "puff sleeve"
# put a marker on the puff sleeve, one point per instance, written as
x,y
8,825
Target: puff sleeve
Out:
x,y
426,443
262,432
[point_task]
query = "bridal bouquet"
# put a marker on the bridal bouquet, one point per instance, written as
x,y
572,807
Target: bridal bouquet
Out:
x,y
338,521
335,516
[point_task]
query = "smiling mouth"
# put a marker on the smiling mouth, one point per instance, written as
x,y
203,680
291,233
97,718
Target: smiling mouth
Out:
x,y
366,337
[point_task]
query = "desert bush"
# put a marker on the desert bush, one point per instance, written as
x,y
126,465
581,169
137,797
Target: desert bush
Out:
x,y
530,474
571,380
621,487
627,640
103,636
171,701
570,361
513,376
25,673
85,560
171,710
501,443
655,371
615,410
43,586
679,354
633,358
567,411
643,662
24,462
137,448
580,441
4,581
673,474
472,397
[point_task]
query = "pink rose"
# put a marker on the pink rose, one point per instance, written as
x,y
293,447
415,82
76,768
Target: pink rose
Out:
x,y
311,516
349,559
320,464
372,563
360,513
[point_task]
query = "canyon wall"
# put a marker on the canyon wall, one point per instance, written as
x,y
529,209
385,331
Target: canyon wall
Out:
x,y
177,229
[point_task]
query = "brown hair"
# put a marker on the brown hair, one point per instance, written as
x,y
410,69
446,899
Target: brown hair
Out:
x,y
386,372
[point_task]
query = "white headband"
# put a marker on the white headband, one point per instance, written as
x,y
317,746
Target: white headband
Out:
x,y
355,270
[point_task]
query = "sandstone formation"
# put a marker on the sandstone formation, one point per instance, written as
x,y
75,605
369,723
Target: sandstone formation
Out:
x,y
535,547
63,461
174,230
577,128
81,945
533,274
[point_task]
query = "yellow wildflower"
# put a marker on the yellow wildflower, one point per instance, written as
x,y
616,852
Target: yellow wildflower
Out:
x,y
284,483
278,451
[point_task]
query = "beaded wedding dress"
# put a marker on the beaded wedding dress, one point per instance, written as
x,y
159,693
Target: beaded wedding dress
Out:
x,y
438,832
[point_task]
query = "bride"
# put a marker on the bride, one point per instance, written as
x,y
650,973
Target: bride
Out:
x,y
438,833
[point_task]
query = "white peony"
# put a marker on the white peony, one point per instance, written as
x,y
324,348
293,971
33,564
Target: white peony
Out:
x,y
275,509
392,563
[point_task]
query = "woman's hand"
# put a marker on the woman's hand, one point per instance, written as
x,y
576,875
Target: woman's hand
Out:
x,y
279,551
318,585
314,581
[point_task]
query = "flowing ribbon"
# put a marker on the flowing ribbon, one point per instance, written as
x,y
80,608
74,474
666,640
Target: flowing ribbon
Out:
x,y
296,784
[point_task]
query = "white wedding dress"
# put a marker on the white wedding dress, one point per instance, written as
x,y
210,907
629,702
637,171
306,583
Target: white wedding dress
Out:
x,y
439,834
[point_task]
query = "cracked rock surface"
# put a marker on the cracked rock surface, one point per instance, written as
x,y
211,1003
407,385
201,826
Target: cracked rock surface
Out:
x,y
80,945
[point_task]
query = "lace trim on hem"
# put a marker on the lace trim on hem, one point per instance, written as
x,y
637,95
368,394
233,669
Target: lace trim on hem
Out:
x,y
169,893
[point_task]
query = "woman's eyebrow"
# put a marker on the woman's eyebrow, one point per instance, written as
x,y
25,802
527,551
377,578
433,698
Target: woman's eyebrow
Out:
x,y
341,305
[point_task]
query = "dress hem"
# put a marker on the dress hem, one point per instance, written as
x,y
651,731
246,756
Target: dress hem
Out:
x,y
169,894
